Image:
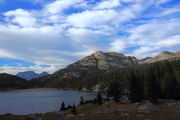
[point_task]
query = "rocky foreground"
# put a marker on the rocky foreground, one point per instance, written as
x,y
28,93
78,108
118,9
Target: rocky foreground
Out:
x,y
166,110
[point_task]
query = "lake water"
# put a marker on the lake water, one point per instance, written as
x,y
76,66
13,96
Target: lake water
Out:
x,y
30,102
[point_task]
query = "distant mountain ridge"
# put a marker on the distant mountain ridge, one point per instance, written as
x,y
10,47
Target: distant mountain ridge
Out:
x,y
165,55
28,75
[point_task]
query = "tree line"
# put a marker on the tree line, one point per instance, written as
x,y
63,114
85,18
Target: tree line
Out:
x,y
159,80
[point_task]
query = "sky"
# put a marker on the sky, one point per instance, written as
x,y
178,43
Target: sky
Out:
x,y
47,35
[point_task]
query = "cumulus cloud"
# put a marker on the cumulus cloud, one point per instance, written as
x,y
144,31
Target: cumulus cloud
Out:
x,y
155,35
107,4
21,17
118,45
63,31
60,5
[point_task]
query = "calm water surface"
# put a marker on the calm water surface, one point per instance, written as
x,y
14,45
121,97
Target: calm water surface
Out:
x,y
30,102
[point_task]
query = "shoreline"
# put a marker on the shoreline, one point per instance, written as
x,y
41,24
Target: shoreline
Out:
x,y
147,111
30,89
44,89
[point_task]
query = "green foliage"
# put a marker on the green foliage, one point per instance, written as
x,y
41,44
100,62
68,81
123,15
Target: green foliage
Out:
x,y
151,86
114,90
135,88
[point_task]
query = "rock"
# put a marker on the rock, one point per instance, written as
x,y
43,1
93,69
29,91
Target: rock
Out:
x,y
146,107
139,115
146,119
32,118
137,103
61,113
81,115
108,111
166,55
125,114
69,115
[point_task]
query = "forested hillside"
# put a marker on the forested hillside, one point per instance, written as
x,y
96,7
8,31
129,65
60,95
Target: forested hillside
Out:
x,y
157,80
8,81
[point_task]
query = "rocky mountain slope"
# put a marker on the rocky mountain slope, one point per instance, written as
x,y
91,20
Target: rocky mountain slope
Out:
x,y
98,61
8,81
28,75
164,56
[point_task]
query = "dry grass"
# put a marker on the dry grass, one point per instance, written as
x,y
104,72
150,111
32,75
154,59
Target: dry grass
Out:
x,y
89,112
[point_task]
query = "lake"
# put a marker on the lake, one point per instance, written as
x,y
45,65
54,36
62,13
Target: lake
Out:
x,y
29,102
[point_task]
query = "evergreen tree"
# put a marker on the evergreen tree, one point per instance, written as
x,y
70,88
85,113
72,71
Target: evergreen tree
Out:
x,y
62,107
99,99
114,91
151,88
170,88
135,88
82,101
74,109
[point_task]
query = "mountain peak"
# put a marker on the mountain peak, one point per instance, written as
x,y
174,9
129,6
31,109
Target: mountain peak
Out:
x,y
178,52
166,53
28,75
164,56
98,52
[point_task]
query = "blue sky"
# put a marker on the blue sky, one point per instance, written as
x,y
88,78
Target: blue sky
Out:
x,y
47,35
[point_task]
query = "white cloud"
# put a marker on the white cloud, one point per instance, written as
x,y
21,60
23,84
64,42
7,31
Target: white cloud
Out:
x,y
36,68
107,4
21,17
51,37
92,18
118,45
60,5
170,11
154,36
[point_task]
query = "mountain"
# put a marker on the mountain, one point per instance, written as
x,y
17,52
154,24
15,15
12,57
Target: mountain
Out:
x,y
145,59
103,61
28,75
75,73
164,56
8,81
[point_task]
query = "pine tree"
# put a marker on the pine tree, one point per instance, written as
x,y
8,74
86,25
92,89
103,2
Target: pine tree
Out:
x,y
99,99
152,88
170,86
74,109
114,91
82,102
62,107
135,88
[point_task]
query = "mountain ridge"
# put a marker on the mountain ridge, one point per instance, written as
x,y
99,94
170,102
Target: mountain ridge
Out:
x,y
164,55
28,75
8,81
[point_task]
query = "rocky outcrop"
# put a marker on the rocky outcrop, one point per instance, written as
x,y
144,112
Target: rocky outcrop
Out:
x,y
98,61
